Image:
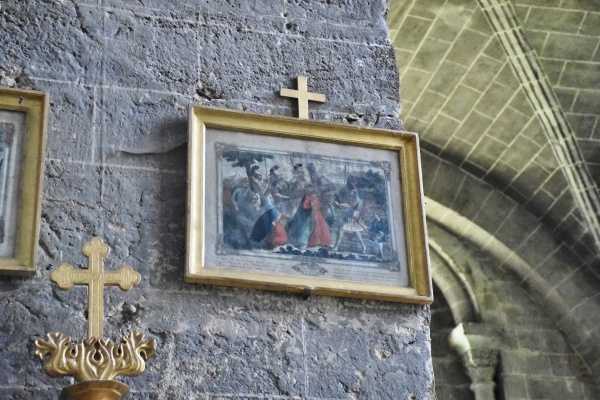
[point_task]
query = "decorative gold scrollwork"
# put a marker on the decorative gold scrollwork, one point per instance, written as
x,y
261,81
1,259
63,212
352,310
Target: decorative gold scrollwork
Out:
x,y
95,359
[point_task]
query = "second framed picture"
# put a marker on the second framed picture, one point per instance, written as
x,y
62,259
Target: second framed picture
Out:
x,y
305,206
23,116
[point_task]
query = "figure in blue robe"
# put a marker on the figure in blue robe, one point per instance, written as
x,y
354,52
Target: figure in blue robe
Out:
x,y
301,226
264,225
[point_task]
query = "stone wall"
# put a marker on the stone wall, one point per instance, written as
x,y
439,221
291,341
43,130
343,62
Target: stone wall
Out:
x,y
120,75
535,361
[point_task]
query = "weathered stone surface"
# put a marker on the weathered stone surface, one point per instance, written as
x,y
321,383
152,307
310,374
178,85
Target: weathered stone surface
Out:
x,y
121,75
161,52
56,40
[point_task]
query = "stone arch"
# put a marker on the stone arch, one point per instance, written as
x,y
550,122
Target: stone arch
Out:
x,y
453,284
515,349
542,264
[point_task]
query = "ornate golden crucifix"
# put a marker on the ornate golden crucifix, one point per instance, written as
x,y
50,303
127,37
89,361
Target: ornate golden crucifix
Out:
x,y
96,361
65,276
303,96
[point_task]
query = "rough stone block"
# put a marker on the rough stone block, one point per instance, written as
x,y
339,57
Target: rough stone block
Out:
x,y
428,106
591,24
430,55
538,247
569,47
513,387
145,63
509,124
493,212
445,80
143,205
516,229
588,101
429,166
461,102
445,184
531,179
240,351
365,13
553,69
494,49
541,388
467,47
447,28
494,95
413,82
32,393
70,121
473,127
247,79
35,36
376,367
162,53
523,362
463,203
482,72
152,5
413,31
554,19
142,128
579,5
583,126
275,25
334,31
580,75
489,150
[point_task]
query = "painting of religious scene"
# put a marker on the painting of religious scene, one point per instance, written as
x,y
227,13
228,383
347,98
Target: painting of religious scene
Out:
x,y
289,204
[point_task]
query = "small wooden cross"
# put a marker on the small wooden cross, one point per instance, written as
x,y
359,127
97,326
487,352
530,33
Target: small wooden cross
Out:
x,y
303,96
65,276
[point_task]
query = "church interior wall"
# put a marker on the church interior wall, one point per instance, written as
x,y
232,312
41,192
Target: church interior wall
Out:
x,y
516,262
120,76
493,174
534,356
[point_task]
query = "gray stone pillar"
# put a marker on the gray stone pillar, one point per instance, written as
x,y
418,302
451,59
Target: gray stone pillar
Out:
x,y
479,356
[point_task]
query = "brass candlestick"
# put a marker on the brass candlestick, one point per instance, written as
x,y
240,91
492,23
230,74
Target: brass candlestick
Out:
x,y
96,361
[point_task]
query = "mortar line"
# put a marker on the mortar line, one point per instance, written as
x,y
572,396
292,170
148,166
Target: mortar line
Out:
x,y
304,359
130,167
94,126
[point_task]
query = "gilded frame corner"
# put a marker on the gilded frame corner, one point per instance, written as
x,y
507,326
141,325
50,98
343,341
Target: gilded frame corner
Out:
x,y
34,106
270,129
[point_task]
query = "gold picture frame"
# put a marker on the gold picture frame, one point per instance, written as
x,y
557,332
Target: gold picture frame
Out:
x,y
23,116
305,206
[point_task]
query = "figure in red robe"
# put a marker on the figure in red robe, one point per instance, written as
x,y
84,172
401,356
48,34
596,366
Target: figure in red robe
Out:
x,y
308,227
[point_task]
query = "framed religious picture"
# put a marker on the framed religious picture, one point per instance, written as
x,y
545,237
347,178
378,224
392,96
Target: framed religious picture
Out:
x,y
305,206
22,140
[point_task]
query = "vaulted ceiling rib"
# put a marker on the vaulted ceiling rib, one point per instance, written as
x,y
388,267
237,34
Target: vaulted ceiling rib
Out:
x,y
480,99
530,73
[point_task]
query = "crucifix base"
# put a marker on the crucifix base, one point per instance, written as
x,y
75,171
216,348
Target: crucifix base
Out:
x,y
95,390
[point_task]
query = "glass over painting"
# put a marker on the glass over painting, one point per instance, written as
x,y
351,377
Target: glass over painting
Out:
x,y
291,207
12,133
